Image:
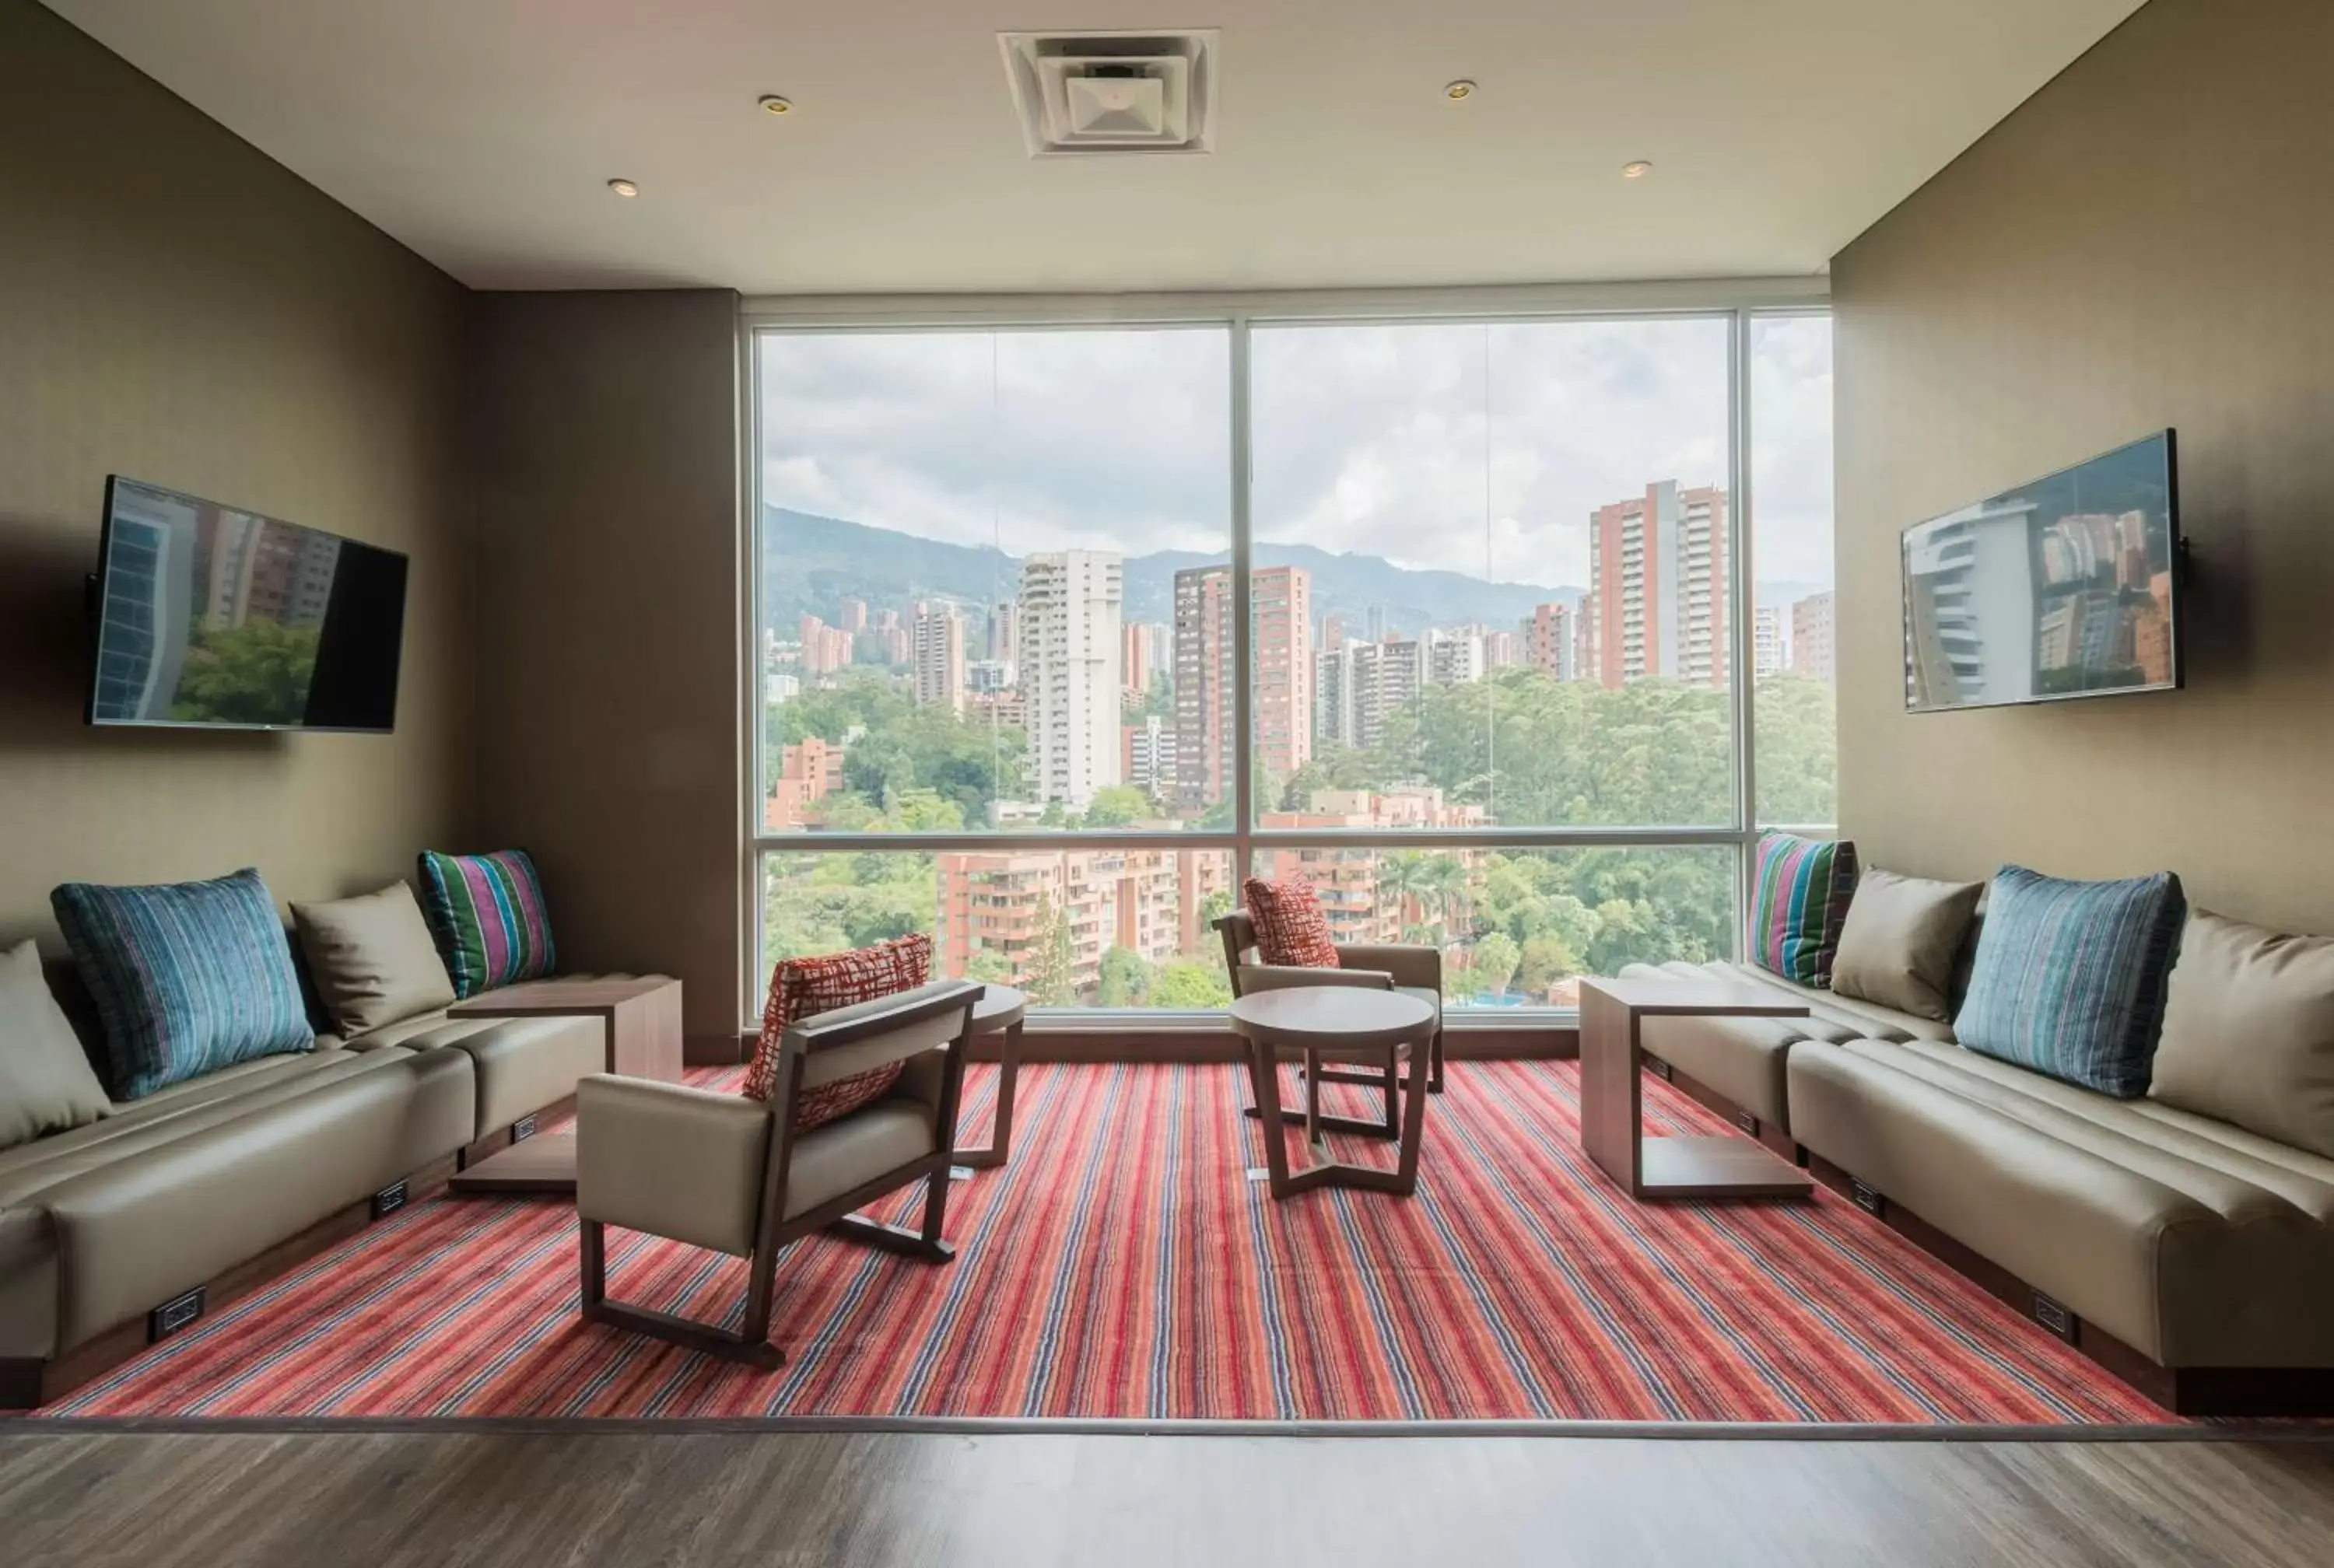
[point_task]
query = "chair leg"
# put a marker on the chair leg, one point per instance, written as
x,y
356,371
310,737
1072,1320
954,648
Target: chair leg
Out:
x,y
1434,1062
751,1346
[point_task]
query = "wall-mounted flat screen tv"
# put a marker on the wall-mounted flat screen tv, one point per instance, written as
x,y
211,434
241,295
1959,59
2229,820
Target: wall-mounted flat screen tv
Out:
x,y
209,617
2066,587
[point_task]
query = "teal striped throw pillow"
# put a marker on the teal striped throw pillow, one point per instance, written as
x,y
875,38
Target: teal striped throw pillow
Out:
x,y
2069,977
488,914
1799,892
189,977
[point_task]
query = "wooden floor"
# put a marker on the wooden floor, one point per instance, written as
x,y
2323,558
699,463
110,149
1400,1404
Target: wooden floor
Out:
x,y
849,1498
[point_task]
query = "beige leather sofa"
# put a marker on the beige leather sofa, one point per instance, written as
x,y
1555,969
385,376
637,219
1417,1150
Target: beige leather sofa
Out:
x,y
102,1224
2191,1256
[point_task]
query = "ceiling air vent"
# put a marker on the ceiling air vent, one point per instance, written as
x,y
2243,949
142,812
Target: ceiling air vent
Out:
x,y
1135,91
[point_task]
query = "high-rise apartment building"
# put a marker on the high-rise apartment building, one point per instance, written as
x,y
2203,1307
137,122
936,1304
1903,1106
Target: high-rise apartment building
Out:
x,y
1811,637
1069,610
1551,641
824,648
1135,658
1048,916
1502,650
1387,676
1455,659
1333,695
1771,643
1280,611
1004,643
1148,762
1280,604
852,616
1657,570
940,656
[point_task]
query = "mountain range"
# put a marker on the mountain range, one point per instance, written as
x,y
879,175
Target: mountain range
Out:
x,y
811,563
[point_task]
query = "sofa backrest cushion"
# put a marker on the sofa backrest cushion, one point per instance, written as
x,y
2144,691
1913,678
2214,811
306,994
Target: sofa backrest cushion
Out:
x,y
1899,942
1800,893
46,1083
488,914
372,959
2249,1031
2070,977
189,977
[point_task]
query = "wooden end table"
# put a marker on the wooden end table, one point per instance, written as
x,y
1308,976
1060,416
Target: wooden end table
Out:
x,y
1347,1023
1001,1012
1612,1102
642,1018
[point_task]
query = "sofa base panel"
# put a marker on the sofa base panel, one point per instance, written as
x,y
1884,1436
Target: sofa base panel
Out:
x,y
26,1383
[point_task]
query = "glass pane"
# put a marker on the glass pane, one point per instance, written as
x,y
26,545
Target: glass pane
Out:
x,y
1519,927
1084,928
971,543
1492,566
1792,632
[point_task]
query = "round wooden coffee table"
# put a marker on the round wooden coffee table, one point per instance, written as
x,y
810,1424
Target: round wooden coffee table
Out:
x,y
1001,1012
1350,1023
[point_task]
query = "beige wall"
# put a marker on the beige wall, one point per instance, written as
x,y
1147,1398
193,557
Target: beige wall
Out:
x,y
175,306
609,704
2148,242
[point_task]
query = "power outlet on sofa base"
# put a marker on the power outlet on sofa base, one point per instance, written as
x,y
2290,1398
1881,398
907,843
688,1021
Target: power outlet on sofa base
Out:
x,y
1867,1197
1748,1122
174,1314
389,1199
522,1129
2052,1315
1661,1069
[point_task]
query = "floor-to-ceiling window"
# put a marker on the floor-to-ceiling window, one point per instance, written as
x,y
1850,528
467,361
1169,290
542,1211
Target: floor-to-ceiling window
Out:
x,y
1061,629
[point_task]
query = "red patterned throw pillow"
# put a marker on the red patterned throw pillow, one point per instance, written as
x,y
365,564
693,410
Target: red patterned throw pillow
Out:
x,y
1291,927
803,988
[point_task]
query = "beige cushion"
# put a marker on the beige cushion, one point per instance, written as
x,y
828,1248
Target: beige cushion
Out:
x,y
372,959
2249,1031
46,1083
1897,946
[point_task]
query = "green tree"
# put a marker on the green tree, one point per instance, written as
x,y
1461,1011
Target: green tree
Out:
x,y
1116,805
1188,984
1124,980
1497,957
254,673
1048,980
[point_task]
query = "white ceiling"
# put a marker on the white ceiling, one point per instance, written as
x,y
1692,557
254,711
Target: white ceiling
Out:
x,y
482,132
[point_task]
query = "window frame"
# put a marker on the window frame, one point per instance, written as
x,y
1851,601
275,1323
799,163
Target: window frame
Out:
x,y
761,320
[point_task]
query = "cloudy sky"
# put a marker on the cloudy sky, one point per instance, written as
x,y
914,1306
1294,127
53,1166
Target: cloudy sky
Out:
x,y
1475,448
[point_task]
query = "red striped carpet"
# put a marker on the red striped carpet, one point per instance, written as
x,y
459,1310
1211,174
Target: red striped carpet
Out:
x,y
1124,1266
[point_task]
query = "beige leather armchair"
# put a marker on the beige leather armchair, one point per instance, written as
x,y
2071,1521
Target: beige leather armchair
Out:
x,y
722,1171
1413,969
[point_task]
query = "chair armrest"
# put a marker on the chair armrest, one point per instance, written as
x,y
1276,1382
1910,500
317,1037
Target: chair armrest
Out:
x,y
1410,963
672,1160
1274,976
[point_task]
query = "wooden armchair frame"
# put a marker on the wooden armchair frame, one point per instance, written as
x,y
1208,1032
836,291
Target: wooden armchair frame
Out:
x,y
908,1015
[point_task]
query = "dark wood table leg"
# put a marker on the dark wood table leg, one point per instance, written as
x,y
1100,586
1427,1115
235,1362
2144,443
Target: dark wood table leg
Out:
x,y
1000,1134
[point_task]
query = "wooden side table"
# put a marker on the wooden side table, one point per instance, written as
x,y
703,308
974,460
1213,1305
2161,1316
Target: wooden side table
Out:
x,y
1611,1094
1001,1012
1346,1023
642,1018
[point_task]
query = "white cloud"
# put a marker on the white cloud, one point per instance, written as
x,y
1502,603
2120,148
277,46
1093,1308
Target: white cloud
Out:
x,y
1477,449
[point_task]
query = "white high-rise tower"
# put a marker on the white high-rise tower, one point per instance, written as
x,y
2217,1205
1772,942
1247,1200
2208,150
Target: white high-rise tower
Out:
x,y
1070,606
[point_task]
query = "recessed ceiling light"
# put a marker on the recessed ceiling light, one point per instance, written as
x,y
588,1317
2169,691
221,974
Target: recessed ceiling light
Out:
x,y
772,103
623,187
1637,171
1459,90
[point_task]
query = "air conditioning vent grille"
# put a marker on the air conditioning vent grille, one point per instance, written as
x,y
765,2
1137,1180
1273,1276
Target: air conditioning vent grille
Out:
x,y
1082,94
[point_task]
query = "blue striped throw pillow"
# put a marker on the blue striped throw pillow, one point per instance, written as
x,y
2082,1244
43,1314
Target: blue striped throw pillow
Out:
x,y
2070,977
189,977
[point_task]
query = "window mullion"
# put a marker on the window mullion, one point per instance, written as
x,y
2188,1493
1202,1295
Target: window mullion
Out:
x,y
1243,629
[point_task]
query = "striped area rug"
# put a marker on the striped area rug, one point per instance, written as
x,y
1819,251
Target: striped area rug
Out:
x,y
1126,1265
